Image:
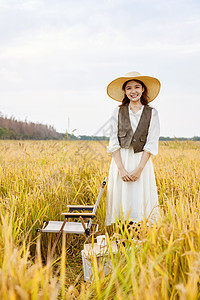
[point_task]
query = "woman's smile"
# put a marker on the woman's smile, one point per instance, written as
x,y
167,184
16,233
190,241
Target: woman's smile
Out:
x,y
134,96
134,90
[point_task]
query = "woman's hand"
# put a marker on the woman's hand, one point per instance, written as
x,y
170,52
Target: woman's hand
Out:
x,y
135,174
125,176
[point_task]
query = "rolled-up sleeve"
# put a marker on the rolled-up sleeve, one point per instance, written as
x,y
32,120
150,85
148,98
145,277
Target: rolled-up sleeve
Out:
x,y
151,145
113,140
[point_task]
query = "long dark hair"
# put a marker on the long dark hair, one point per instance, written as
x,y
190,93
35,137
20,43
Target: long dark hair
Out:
x,y
144,98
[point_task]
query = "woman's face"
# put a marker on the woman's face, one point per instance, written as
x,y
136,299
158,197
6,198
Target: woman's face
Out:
x,y
134,90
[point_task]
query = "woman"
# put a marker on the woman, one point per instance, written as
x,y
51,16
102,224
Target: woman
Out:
x,y
132,192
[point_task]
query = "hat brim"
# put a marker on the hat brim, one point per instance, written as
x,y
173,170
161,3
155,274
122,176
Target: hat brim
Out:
x,y
114,89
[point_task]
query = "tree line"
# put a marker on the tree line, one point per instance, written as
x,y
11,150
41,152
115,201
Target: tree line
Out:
x,y
10,128
194,138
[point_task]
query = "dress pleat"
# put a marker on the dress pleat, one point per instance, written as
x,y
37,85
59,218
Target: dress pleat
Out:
x,y
133,200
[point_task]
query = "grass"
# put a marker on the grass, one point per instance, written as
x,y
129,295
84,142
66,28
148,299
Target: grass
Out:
x,y
38,179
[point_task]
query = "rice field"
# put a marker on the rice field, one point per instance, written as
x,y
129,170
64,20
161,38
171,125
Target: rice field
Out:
x,y
39,178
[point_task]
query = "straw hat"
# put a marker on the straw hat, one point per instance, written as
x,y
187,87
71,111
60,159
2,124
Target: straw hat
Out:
x,y
114,89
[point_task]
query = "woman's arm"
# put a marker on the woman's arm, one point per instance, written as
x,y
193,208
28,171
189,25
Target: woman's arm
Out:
x,y
135,174
122,171
151,146
113,128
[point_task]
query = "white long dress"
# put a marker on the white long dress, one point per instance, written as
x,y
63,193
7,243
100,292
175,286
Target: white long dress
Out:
x,y
139,199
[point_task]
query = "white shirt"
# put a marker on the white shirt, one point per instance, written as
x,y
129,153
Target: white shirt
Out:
x,y
151,145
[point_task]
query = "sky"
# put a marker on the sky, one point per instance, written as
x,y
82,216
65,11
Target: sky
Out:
x,y
57,58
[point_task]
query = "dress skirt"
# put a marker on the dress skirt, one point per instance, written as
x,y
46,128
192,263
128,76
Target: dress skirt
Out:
x,y
131,200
